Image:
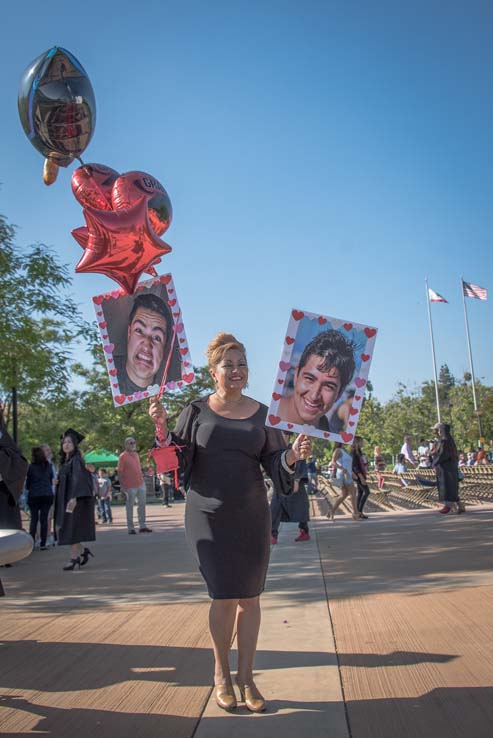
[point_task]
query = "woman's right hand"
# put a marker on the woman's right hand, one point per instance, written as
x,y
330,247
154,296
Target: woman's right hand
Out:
x,y
158,414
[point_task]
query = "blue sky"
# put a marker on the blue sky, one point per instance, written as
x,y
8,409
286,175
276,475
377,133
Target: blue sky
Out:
x,y
326,156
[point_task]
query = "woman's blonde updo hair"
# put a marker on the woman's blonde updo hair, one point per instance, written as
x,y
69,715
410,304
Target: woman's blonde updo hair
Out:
x,y
219,345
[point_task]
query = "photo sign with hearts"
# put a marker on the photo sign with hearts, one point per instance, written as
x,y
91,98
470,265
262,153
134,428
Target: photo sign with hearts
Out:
x,y
144,340
321,376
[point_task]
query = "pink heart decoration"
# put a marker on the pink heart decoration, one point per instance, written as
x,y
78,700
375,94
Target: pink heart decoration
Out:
x,y
183,351
359,382
274,419
165,279
182,340
276,396
172,303
103,324
139,395
113,372
370,332
290,425
104,336
321,320
357,397
99,313
351,423
171,385
109,348
116,294
179,328
297,314
98,299
326,435
179,384
353,411
348,326
289,340
110,361
365,357
284,365
186,363
175,315
120,399
280,381
116,385
188,377
346,437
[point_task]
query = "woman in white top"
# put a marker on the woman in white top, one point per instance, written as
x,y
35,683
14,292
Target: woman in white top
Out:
x,y
342,462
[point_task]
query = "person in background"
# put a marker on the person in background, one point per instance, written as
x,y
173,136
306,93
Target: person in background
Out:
x,y
311,468
50,541
359,475
462,460
74,503
424,454
380,464
342,462
400,468
445,462
39,485
105,496
293,508
407,451
13,470
133,485
166,480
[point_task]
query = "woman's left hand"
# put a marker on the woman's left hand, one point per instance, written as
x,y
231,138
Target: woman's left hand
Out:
x,y
301,448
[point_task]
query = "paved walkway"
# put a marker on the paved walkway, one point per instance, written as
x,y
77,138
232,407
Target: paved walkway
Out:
x,y
402,646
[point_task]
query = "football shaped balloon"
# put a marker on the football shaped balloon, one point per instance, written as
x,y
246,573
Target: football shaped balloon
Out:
x,y
130,187
57,106
92,184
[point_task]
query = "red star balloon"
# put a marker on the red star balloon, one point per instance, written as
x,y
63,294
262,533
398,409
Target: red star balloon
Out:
x,y
121,244
81,235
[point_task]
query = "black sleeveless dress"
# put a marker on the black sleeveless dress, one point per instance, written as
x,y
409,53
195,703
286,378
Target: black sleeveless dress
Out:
x,y
227,518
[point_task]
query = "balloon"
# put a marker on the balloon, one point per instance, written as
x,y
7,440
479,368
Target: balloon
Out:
x,y
91,185
121,244
57,107
50,171
130,187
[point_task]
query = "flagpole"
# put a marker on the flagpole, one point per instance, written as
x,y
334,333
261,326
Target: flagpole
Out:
x,y
470,360
433,351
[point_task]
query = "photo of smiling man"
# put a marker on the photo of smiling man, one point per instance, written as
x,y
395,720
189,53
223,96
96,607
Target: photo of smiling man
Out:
x,y
320,383
325,369
143,338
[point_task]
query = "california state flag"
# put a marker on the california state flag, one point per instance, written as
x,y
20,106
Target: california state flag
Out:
x,y
435,297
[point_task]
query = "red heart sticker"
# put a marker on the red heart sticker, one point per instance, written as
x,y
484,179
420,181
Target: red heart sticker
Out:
x,y
170,290
284,365
110,361
353,411
188,377
179,384
351,423
370,332
98,299
359,382
120,399
348,326
103,324
172,303
183,351
165,279
104,336
146,394
289,340
274,419
326,435
186,363
280,381
182,340
321,320
276,396
99,313
297,314
346,437
113,372
357,397
175,315
130,398
290,425
365,357
116,384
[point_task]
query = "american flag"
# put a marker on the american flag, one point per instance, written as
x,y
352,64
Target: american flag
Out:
x,y
435,297
474,290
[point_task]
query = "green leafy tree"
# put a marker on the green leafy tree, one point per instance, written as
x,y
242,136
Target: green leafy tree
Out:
x,y
40,322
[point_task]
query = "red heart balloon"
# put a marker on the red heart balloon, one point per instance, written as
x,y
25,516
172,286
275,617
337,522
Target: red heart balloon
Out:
x,y
92,185
130,187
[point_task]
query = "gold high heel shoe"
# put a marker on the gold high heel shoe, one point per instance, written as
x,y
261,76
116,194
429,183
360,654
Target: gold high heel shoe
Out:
x,y
225,697
251,696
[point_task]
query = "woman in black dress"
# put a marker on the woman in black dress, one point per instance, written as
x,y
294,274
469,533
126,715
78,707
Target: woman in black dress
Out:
x,y
227,518
74,504
39,485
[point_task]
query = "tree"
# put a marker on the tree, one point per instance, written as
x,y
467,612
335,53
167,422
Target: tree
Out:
x,y
40,322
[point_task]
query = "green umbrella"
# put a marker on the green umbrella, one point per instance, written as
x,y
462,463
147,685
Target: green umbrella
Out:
x,y
101,457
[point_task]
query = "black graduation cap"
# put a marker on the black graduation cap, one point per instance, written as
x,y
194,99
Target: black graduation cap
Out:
x,y
74,435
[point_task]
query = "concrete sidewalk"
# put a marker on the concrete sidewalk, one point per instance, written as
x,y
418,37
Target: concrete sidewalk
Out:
x,y
396,609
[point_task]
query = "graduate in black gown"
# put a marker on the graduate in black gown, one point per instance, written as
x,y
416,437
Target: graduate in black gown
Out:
x,y
227,520
13,470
